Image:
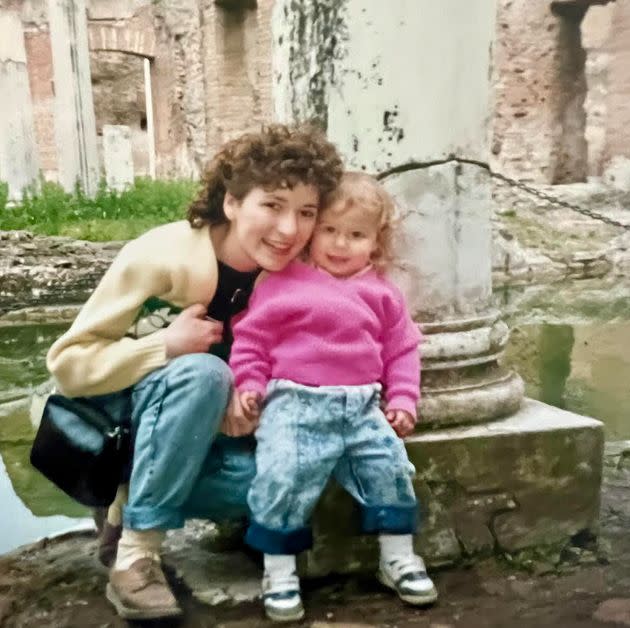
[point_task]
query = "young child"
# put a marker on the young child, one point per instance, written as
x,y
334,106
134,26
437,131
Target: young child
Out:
x,y
321,341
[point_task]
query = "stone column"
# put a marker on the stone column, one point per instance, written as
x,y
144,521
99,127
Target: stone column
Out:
x,y
19,163
75,126
401,88
385,122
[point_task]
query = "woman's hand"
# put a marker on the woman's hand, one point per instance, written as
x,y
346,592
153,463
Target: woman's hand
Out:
x,y
235,421
402,422
192,332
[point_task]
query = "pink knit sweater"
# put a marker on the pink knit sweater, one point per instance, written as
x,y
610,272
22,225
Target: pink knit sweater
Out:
x,y
307,326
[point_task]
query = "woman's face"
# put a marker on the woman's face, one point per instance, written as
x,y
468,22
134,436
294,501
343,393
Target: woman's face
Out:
x,y
271,227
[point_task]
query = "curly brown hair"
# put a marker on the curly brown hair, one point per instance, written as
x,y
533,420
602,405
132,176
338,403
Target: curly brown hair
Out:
x,y
277,156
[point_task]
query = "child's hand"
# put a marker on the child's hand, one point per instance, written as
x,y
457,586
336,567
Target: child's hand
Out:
x,y
236,421
402,422
250,401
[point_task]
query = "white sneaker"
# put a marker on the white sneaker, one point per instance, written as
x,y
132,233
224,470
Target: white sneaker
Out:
x,y
281,597
407,576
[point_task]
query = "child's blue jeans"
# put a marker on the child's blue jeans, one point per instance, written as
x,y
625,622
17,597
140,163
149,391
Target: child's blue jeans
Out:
x,y
308,434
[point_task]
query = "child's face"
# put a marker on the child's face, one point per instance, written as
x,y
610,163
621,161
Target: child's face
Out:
x,y
343,242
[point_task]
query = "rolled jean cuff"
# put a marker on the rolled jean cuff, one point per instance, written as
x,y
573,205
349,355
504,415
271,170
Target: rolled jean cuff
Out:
x,y
151,518
278,541
389,519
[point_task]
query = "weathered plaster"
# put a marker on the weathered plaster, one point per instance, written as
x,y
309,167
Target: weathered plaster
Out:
x,y
19,161
388,91
443,240
75,125
309,41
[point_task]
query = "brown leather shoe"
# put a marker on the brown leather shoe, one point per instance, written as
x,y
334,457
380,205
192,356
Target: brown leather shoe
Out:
x,y
108,543
141,592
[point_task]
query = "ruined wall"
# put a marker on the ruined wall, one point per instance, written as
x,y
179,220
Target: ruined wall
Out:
x,y
40,70
595,34
539,91
238,68
213,77
617,108
123,75
210,71
120,31
560,87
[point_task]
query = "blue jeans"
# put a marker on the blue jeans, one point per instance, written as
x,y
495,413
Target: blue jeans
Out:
x,y
182,467
307,435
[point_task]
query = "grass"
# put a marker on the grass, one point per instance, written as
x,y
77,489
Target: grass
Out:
x,y
110,215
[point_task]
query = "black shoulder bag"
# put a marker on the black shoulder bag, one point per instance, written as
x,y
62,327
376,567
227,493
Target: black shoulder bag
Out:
x,y
82,449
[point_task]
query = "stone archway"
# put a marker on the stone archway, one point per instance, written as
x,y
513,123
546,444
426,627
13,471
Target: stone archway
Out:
x,y
139,43
132,41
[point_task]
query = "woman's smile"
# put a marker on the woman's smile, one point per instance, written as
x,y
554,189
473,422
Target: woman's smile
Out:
x,y
281,248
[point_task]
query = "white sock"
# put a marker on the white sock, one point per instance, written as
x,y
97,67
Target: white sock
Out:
x,y
394,546
280,565
136,544
114,512
280,574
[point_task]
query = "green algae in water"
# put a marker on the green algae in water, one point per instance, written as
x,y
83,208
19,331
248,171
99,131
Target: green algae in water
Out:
x,y
583,368
39,495
22,367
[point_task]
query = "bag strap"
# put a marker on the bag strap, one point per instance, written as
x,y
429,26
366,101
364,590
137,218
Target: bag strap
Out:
x,y
92,415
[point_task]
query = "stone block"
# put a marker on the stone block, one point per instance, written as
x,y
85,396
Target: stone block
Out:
x,y
617,173
118,156
531,479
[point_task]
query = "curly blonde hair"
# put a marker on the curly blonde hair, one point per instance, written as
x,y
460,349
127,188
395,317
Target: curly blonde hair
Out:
x,y
357,189
277,156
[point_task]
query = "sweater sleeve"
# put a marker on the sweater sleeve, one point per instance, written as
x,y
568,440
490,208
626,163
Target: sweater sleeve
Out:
x,y
250,357
94,357
401,358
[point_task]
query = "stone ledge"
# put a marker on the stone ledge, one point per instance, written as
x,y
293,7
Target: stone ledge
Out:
x,y
528,480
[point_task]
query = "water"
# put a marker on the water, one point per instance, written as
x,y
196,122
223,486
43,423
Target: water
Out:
x,y
570,343
31,507
582,368
21,526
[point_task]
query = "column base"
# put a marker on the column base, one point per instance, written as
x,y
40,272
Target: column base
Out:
x,y
528,480
469,401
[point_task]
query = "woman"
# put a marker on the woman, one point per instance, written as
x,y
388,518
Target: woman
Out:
x,y
257,209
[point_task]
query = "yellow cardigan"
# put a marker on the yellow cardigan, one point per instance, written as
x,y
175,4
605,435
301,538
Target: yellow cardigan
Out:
x,y
174,263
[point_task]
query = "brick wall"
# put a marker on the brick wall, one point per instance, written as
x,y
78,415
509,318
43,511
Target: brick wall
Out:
x,y
40,70
539,89
237,42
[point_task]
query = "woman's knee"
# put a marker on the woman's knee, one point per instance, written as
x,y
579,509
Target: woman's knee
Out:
x,y
191,390
200,372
